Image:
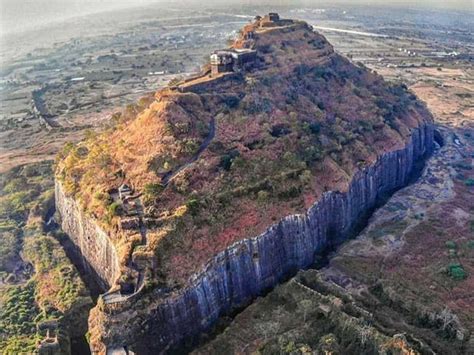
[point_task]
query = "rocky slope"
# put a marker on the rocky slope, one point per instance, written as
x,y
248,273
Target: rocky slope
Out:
x,y
403,283
303,137
248,268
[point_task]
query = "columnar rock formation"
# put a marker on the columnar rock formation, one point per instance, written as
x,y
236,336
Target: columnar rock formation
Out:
x,y
303,120
249,267
93,243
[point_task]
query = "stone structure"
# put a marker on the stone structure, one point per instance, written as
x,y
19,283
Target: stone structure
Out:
x,y
49,345
272,16
231,60
271,20
124,191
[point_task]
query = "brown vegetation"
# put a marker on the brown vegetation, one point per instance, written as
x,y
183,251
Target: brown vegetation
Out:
x,y
298,124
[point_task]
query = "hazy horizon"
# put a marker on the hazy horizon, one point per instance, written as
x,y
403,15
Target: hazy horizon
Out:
x,y
22,15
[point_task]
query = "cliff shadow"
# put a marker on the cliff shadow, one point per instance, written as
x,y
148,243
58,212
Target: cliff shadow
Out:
x,y
321,257
94,283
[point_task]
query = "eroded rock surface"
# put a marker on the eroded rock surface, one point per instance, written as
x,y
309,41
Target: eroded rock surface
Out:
x,y
300,184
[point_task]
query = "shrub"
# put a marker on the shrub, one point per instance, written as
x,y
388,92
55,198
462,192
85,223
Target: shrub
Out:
x,y
323,72
469,182
115,209
302,69
191,146
152,189
291,96
463,165
238,163
311,153
366,126
279,130
305,177
15,205
227,159
290,192
270,80
226,162
15,185
232,101
314,127
202,128
254,105
193,206
67,149
104,160
19,310
290,159
450,244
7,225
9,247
181,211
456,271
262,195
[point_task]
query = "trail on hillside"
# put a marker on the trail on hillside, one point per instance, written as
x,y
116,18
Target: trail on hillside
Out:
x,y
172,174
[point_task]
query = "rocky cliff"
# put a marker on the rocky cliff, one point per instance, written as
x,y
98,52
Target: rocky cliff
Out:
x,y
92,242
218,159
249,267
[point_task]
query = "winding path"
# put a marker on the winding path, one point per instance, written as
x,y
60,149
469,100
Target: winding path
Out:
x,y
169,176
117,296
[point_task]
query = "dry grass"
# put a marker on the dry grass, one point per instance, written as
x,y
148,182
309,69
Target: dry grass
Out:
x,y
298,124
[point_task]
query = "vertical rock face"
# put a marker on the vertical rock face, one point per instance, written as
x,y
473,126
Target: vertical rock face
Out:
x,y
97,250
242,272
249,267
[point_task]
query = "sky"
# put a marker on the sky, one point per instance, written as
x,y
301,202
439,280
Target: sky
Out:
x,y
453,4
20,15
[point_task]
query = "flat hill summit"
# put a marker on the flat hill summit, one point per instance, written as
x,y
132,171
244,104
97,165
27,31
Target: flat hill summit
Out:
x,y
269,125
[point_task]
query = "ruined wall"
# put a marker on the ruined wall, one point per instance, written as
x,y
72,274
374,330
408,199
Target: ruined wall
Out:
x,y
98,251
211,85
249,267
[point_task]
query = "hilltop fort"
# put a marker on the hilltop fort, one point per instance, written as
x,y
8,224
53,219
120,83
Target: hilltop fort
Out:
x,y
229,182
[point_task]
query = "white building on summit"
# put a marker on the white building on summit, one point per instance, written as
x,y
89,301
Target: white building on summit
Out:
x,y
231,60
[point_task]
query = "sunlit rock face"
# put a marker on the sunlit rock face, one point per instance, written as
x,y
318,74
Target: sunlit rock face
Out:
x,y
241,273
92,242
172,308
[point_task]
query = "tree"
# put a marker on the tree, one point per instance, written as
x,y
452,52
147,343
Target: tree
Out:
x,y
447,318
365,333
306,306
267,328
328,344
